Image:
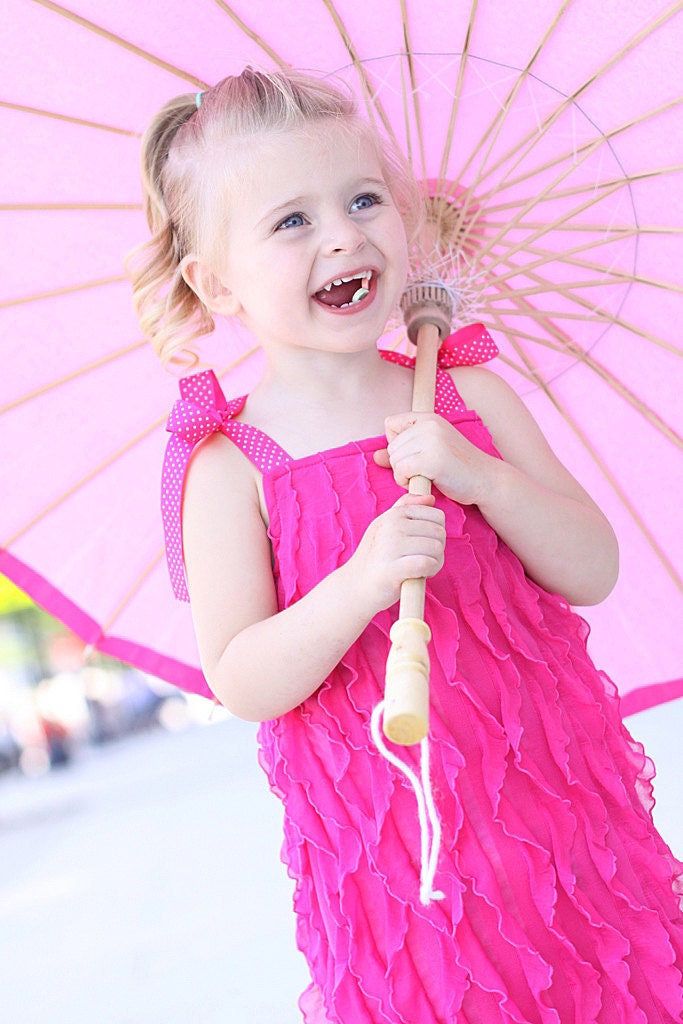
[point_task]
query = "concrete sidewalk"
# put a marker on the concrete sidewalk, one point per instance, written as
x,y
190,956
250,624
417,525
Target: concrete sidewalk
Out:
x,y
142,885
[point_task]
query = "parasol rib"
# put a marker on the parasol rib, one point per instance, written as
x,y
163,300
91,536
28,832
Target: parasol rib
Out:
x,y
613,184
567,287
561,346
83,482
567,256
604,469
586,148
499,238
96,364
569,347
70,290
457,92
129,595
254,36
606,189
69,206
415,96
596,315
81,122
370,94
611,274
124,43
527,143
549,190
617,230
495,127
608,318
631,327
82,371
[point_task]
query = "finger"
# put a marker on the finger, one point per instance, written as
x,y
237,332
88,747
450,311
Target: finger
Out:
x,y
396,424
422,564
382,458
422,519
427,500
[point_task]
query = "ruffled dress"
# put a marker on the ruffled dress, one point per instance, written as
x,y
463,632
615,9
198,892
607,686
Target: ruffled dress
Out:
x,y
561,901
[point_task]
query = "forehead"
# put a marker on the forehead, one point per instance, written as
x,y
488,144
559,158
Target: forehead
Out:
x,y
325,156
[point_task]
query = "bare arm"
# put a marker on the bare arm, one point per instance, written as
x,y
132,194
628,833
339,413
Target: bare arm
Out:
x,y
532,502
261,662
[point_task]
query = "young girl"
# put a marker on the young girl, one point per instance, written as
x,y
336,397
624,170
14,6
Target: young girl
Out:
x,y
272,201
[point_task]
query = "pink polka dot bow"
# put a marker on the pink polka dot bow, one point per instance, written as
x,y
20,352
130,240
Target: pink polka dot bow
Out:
x,y
468,346
202,410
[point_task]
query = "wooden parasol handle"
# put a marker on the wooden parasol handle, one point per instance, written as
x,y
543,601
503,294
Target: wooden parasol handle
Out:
x,y
406,691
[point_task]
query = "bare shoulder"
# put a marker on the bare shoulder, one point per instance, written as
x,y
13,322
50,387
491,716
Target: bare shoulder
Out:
x,y
221,496
226,546
481,388
217,461
515,432
498,405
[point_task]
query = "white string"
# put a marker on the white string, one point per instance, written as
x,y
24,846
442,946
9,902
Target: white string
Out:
x,y
430,826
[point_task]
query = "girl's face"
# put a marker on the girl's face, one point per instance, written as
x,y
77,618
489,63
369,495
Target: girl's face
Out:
x,y
313,209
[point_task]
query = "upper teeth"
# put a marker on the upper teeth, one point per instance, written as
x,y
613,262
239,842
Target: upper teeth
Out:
x,y
364,275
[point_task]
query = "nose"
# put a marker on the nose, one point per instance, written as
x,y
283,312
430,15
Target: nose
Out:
x,y
344,236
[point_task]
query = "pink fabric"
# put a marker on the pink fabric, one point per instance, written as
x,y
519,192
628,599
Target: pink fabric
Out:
x,y
560,902
202,410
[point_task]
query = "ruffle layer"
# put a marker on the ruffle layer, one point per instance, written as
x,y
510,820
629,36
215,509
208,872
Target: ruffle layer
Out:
x,y
561,900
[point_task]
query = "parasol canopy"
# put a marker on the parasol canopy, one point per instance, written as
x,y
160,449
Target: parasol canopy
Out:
x,y
549,142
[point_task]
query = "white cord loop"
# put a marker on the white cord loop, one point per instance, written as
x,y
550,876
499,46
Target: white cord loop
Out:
x,y
430,826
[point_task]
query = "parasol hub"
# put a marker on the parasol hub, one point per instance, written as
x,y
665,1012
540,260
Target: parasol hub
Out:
x,y
427,302
453,223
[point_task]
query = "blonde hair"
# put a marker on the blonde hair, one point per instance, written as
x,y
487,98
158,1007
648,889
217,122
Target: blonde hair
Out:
x,y
184,209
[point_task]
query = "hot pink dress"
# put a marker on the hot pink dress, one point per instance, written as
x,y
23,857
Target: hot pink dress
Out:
x,y
560,902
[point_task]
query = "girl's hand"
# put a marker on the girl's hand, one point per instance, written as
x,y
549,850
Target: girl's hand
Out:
x,y
527,496
425,444
405,542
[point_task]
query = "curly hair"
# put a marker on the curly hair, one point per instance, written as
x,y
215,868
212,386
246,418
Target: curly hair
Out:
x,y
186,211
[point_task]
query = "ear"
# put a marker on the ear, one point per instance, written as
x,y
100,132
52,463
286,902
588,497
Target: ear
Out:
x,y
215,295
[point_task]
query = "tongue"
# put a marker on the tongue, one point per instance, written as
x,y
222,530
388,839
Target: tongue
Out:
x,y
338,293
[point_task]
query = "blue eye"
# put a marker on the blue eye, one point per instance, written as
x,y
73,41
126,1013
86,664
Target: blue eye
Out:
x,y
294,220
366,201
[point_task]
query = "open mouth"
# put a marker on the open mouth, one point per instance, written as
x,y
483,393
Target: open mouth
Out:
x,y
344,292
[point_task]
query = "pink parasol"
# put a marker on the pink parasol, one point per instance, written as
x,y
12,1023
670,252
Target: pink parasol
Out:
x,y
550,141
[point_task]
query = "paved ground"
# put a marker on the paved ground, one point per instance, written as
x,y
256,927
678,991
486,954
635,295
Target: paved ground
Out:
x,y
142,885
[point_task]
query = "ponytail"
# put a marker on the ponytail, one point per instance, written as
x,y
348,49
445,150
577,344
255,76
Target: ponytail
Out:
x,y
170,313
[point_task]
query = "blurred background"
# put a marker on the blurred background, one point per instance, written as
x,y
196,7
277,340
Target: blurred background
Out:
x,y
140,878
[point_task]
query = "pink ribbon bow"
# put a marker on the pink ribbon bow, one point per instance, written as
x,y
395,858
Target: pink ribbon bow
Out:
x,y
202,410
468,346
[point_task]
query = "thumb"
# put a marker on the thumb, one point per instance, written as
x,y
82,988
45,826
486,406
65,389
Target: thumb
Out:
x,y
416,499
382,458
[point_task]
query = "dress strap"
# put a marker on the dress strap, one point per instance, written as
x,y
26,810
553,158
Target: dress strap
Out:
x,y
469,346
202,410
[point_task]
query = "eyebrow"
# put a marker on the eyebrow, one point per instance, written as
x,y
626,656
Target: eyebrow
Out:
x,y
281,208
296,202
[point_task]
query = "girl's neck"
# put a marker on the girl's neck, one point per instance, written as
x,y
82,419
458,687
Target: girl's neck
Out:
x,y
328,401
326,372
